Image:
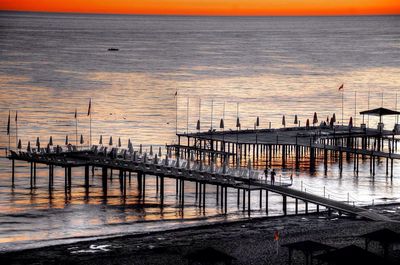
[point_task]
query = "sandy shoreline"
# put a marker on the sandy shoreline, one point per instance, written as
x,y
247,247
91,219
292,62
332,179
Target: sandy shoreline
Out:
x,y
250,242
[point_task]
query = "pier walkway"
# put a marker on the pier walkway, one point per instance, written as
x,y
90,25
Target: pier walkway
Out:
x,y
243,180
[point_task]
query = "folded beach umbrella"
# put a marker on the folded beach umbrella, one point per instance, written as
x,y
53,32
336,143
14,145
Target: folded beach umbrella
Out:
x,y
315,118
129,143
66,139
258,121
101,140
283,121
327,119
334,117
331,123
308,124
28,148
119,142
237,122
166,159
159,152
151,150
140,148
19,144
249,166
155,159
145,157
81,141
295,119
48,148
351,122
37,142
198,125
221,124
51,140
111,141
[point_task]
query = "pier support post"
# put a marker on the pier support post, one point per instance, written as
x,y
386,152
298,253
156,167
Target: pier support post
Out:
x,y
284,205
162,190
297,206
248,202
13,172
87,179
104,180
266,201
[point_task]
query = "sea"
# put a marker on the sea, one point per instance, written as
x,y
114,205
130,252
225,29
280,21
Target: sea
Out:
x,y
169,72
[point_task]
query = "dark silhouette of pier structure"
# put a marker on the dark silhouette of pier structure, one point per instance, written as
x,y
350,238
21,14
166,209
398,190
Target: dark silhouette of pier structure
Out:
x,y
216,159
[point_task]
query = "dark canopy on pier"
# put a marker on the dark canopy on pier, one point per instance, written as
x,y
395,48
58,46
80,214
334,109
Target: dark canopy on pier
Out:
x,y
380,112
383,236
308,246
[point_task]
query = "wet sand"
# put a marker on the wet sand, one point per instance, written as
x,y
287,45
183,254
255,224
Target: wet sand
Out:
x,y
249,242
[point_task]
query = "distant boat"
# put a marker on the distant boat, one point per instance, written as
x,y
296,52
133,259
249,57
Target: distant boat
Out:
x,y
113,49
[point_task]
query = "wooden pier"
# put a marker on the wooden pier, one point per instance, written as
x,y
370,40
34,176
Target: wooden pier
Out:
x,y
294,145
221,178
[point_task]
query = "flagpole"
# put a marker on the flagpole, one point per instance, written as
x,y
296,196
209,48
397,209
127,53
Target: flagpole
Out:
x,y
212,113
76,128
176,112
355,107
342,105
16,129
187,115
90,122
8,130
369,90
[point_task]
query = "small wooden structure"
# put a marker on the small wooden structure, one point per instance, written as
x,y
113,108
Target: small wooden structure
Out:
x,y
385,237
308,248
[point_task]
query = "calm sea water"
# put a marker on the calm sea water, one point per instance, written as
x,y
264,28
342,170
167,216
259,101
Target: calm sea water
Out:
x,y
51,64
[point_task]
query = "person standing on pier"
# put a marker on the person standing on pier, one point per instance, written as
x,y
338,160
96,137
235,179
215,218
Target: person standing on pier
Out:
x,y
273,174
266,174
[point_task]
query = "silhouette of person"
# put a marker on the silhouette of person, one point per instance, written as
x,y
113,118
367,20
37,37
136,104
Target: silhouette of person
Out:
x,y
273,174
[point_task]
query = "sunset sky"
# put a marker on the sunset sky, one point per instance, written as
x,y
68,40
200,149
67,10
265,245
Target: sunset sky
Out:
x,y
210,7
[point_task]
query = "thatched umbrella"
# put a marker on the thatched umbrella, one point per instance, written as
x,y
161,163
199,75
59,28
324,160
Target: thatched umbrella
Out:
x,y
28,148
308,124
111,141
51,140
119,142
19,144
198,125
38,143
101,140
66,140
296,121
283,121
249,166
315,118
166,159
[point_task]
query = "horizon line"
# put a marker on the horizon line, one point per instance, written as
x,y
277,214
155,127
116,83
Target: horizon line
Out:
x,y
202,15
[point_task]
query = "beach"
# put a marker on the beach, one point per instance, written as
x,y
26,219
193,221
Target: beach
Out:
x,y
249,242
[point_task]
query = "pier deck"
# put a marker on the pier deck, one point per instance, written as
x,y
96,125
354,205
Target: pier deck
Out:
x,y
181,170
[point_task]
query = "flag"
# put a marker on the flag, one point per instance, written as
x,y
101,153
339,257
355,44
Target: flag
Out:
x,y
8,123
341,87
90,105
76,114
16,116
